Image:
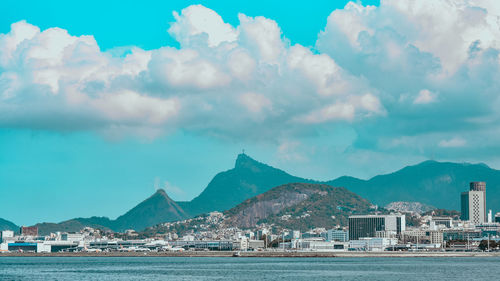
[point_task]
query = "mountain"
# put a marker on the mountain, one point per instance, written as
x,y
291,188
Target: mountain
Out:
x,y
156,209
409,207
299,206
74,225
8,225
433,183
248,178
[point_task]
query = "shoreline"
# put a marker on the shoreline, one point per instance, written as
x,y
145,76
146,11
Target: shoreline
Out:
x,y
262,254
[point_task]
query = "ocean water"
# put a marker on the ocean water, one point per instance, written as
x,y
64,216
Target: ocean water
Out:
x,y
180,268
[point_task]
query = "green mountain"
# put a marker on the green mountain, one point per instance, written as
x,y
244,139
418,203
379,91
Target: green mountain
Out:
x,y
299,206
247,179
433,183
156,209
74,225
8,225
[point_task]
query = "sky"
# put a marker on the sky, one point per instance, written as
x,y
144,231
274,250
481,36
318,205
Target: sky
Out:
x,y
103,102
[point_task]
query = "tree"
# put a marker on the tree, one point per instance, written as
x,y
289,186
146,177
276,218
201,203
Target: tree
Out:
x,y
483,246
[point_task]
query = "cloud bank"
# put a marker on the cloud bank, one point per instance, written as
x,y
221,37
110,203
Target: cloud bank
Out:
x,y
404,75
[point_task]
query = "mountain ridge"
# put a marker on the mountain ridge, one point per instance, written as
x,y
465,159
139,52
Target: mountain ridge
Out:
x,y
429,182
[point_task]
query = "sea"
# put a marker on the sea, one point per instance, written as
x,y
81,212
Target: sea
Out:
x,y
241,268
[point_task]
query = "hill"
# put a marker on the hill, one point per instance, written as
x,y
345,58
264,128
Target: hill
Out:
x,y
8,225
409,207
433,183
248,178
156,209
299,206
74,225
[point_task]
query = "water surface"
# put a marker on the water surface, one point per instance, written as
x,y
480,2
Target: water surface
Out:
x,y
215,268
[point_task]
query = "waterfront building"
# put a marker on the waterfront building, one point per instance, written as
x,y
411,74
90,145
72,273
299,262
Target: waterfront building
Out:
x,y
372,244
497,217
29,231
72,237
6,234
337,235
461,234
256,244
212,245
367,225
386,234
474,203
322,246
422,236
492,229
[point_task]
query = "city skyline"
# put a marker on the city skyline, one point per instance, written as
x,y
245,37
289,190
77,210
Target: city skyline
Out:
x,y
120,99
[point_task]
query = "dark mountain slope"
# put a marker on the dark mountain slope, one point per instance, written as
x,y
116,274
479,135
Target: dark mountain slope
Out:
x,y
156,209
247,179
299,206
8,225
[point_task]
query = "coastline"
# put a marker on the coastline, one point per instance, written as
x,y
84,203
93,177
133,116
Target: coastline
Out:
x,y
260,254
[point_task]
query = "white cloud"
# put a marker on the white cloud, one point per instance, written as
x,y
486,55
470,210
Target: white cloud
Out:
x,y
172,189
51,75
198,20
263,36
372,70
424,97
255,103
454,142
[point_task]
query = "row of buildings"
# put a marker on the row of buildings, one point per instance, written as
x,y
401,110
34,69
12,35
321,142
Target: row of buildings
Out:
x,y
372,232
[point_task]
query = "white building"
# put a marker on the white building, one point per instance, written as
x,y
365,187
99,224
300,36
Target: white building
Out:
x,y
337,235
474,203
372,244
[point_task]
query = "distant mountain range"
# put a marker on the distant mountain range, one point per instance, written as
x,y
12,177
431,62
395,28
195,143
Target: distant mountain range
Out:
x,y
432,183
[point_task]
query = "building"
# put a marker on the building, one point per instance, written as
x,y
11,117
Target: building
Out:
x,y
261,233
474,203
446,221
368,225
29,231
372,244
322,246
497,217
5,234
422,236
72,237
461,234
337,235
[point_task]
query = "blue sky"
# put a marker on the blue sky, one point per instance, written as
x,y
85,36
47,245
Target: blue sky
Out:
x,y
103,102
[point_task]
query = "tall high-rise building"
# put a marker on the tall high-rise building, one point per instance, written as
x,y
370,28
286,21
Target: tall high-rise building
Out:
x,y
368,225
474,203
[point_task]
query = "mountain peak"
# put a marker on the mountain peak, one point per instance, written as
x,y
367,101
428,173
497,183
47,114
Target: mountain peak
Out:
x,y
162,192
244,160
